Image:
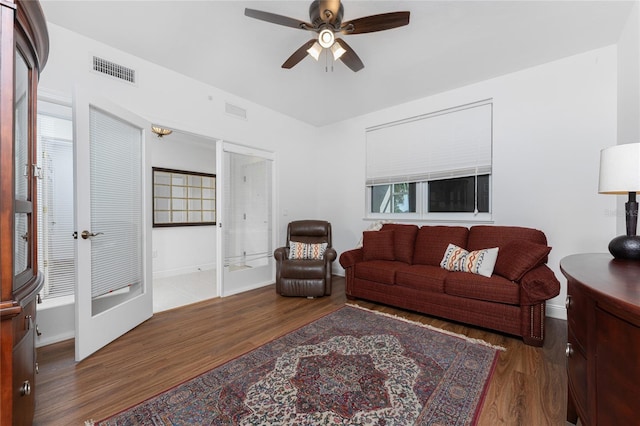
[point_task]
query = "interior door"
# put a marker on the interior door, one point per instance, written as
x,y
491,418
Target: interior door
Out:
x,y
113,241
246,220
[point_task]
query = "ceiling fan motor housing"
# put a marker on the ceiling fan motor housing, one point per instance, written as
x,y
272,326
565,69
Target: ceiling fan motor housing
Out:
x,y
326,12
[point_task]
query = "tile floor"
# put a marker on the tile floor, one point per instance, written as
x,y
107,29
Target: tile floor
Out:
x,y
180,290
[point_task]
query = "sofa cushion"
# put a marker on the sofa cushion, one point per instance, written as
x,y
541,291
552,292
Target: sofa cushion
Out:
x,y
494,289
377,245
481,236
404,238
518,257
422,277
380,271
432,242
480,262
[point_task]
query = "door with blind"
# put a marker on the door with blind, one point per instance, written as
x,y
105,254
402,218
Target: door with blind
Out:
x,y
113,241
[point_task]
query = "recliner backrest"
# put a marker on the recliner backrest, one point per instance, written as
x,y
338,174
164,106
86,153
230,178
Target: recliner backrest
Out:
x,y
309,231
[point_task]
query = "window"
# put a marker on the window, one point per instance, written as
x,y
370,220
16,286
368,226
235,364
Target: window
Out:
x,y
435,166
183,198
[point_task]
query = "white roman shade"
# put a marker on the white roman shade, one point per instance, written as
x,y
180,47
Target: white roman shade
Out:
x,y
446,144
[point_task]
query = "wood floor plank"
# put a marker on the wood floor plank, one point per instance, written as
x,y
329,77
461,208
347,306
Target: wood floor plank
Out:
x,y
528,387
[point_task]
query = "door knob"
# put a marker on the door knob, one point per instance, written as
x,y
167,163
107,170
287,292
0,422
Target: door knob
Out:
x,y
87,234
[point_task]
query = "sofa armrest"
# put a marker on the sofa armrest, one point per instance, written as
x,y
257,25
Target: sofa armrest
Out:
x,y
280,254
351,257
538,285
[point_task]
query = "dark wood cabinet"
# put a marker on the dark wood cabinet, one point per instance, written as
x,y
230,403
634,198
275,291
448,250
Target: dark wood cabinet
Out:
x,y
603,351
24,46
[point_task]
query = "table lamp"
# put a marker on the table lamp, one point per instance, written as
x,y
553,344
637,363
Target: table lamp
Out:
x,y
620,174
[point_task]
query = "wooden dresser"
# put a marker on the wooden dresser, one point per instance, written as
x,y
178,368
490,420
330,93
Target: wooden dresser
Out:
x,y
24,46
603,352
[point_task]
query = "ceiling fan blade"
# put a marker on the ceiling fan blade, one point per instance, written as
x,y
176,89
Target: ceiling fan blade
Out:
x,y
373,23
277,19
298,55
349,57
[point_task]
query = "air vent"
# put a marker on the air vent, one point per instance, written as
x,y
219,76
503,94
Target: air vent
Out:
x,y
114,70
235,110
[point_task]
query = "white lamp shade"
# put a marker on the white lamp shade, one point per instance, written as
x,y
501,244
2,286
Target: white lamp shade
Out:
x,y
315,50
620,169
337,51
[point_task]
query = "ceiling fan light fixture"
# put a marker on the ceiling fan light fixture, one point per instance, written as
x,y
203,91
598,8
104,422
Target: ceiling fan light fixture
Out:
x,y
326,38
337,51
315,50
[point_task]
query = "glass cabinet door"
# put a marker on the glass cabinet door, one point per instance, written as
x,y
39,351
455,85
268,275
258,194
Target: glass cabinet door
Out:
x,y
23,207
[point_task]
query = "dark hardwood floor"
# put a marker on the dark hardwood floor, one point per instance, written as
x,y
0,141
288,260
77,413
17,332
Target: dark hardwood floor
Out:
x,y
528,387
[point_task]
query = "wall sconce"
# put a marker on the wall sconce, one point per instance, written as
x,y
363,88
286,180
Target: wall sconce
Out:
x,y
161,131
620,174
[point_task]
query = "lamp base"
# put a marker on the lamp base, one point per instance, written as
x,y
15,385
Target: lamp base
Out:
x,y
625,247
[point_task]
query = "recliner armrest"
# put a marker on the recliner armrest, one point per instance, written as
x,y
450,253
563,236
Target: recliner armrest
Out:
x,y
330,254
351,257
538,285
281,254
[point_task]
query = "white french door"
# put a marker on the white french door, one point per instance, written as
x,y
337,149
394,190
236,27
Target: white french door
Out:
x,y
246,216
113,242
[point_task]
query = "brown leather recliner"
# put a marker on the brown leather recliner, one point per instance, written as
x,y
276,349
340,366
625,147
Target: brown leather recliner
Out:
x,y
305,277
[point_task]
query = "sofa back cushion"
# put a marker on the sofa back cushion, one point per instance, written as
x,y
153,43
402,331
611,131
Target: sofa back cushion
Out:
x,y
483,236
404,238
432,242
377,245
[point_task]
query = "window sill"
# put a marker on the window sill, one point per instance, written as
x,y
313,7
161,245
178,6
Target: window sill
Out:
x,y
56,302
484,218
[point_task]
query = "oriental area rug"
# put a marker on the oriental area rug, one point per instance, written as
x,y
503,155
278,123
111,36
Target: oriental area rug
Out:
x,y
351,367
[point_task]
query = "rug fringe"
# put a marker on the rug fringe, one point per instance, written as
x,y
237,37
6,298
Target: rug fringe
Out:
x,y
89,422
430,327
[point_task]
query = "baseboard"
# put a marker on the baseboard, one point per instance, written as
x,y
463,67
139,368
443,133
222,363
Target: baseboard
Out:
x,y
182,271
50,340
556,311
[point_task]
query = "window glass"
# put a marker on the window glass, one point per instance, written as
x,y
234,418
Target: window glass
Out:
x,y
393,198
459,195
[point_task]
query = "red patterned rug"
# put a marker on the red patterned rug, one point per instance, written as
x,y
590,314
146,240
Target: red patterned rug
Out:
x,y
353,366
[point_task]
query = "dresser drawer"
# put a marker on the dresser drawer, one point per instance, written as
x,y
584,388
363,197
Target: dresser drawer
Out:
x,y
24,322
577,307
577,374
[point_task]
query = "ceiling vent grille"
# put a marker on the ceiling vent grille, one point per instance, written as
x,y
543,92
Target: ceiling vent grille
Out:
x,y
114,70
235,111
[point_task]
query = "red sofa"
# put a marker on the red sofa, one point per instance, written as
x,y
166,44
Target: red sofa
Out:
x,y
400,265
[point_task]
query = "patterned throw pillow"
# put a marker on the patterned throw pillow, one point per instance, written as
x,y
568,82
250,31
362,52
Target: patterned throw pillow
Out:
x,y
299,250
480,262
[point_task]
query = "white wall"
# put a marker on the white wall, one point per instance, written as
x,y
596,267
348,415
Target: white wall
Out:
x,y
628,94
550,122
183,249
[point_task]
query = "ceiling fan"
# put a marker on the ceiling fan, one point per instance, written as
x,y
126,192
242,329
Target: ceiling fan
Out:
x,y
326,20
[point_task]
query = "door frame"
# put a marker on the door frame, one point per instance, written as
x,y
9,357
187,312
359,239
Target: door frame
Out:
x,y
223,146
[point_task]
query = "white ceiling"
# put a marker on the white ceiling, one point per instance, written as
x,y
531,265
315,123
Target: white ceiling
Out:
x,y
447,44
